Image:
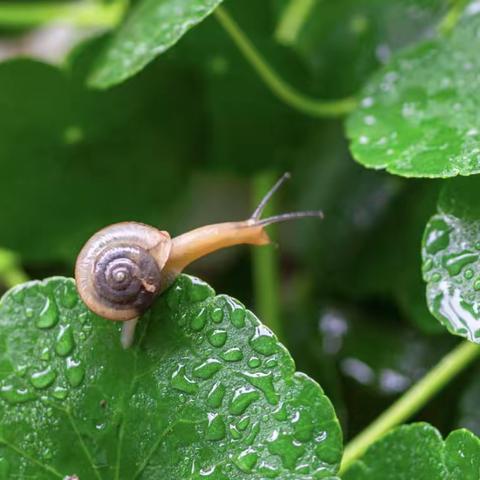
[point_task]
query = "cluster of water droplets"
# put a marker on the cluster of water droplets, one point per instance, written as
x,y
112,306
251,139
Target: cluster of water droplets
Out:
x,y
451,267
245,379
47,336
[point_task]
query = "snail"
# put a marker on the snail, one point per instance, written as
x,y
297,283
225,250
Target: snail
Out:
x,y
125,266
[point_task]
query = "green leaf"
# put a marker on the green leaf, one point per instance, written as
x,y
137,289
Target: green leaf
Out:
x,y
207,391
74,160
343,42
152,28
451,258
419,115
418,452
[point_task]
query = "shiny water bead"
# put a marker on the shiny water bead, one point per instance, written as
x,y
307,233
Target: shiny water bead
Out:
x,y
232,355
216,314
180,381
243,397
216,395
264,382
207,369
65,342
43,378
263,341
247,460
48,316
75,372
216,428
199,320
217,337
199,290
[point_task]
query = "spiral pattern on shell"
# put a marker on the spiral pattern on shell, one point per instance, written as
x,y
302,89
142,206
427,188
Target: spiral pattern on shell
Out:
x,y
118,271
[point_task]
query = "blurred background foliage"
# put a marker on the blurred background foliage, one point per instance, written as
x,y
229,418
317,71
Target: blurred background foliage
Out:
x,y
185,142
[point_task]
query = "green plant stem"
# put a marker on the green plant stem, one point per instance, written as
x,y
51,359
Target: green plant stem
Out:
x,y
292,20
82,14
412,400
285,92
266,277
452,17
11,273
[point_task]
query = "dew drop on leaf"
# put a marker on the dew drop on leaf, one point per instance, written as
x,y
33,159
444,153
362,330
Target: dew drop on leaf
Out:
x,y
217,337
75,372
181,382
43,378
48,316
243,397
65,343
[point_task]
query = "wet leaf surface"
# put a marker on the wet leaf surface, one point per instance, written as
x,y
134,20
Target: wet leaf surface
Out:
x,y
206,392
451,259
418,452
419,115
152,27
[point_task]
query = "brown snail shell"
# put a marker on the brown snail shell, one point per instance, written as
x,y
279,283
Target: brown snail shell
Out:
x,y
118,271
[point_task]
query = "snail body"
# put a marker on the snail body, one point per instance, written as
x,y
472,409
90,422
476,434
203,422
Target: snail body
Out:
x,y
124,267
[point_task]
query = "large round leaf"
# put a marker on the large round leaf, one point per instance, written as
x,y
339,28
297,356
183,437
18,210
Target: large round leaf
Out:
x,y
419,116
206,392
451,258
417,452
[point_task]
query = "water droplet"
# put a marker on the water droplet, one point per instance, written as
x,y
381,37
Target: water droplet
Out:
x,y
217,337
437,236
271,363
237,312
436,277
215,396
45,355
65,342
263,341
468,274
232,355
199,290
15,395
254,362
243,397
48,317
476,284
60,393
243,423
236,435
207,369
183,319
427,265
289,450
455,263
174,296
247,460
75,372
280,413
198,322
181,382
254,431
264,382
216,428
43,378
216,314
68,295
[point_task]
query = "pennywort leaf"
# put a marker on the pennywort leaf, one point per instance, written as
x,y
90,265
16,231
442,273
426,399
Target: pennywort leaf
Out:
x,y
152,28
419,116
207,392
418,452
451,258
